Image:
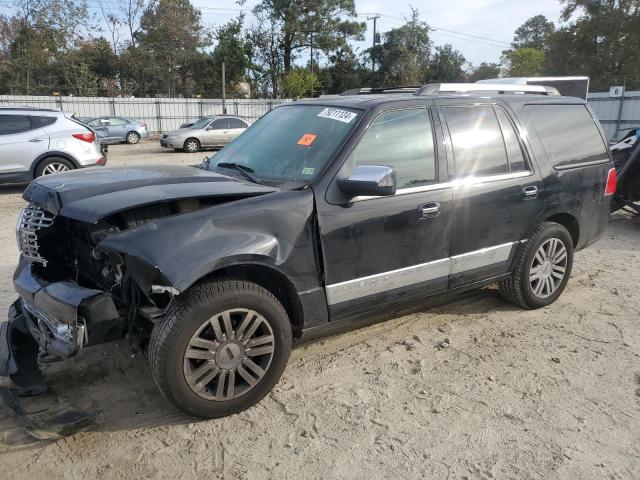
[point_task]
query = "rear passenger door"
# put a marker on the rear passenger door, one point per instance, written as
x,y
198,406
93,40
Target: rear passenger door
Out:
x,y
21,142
217,133
497,192
236,127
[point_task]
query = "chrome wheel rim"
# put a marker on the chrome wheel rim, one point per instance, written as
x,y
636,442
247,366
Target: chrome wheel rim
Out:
x,y
55,168
132,138
229,354
192,146
548,268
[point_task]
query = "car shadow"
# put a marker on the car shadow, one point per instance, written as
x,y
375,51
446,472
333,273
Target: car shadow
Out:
x,y
13,188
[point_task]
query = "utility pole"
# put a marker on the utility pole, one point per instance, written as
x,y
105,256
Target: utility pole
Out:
x,y
224,92
375,35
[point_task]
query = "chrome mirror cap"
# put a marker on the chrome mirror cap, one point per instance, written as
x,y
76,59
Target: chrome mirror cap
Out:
x,y
370,180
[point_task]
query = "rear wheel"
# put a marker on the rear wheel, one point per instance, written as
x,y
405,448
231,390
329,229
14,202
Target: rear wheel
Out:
x,y
221,349
53,165
191,145
133,138
543,267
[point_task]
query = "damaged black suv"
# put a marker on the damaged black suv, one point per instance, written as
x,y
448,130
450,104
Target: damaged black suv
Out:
x,y
327,210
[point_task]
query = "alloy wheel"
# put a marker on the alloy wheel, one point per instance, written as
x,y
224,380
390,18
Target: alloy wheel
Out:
x,y
192,146
229,354
54,167
133,138
548,268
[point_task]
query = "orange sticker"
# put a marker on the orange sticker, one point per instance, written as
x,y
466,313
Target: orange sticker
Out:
x,y
307,139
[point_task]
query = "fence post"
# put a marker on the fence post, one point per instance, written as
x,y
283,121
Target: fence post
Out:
x,y
200,108
158,115
60,102
618,121
113,106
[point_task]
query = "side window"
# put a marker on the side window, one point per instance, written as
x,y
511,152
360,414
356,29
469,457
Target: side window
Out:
x,y
401,139
43,121
517,162
12,124
568,134
478,148
220,124
116,122
236,123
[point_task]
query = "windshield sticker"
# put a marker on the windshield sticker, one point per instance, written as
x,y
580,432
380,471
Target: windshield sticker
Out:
x,y
308,171
307,139
344,116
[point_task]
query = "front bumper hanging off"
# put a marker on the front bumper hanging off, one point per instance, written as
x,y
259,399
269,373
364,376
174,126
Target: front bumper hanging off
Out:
x,y
49,322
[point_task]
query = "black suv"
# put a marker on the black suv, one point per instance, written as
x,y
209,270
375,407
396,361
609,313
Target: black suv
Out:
x,y
323,211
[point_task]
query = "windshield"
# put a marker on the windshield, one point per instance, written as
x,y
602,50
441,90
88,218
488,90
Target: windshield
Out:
x,y
203,122
290,143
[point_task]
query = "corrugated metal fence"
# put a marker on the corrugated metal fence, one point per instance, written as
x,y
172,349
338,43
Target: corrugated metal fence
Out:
x,y
161,114
617,115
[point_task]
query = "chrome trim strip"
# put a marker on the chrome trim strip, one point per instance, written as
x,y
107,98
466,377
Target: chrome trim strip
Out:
x,y
385,281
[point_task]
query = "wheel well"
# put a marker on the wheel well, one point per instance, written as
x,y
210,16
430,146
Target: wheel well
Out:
x,y
132,131
191,138
49,155
273,281
569,222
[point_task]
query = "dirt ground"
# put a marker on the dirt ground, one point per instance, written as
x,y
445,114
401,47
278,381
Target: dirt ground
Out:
x,y
552,393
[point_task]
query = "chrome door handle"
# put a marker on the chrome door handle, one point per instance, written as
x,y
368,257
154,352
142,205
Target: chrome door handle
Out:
x,y
530,192
429,210
36,140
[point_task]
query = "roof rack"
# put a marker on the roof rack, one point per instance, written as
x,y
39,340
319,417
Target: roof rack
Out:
x,y
378,90
500,88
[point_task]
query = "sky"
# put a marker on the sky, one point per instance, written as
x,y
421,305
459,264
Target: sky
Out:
x,y
495,20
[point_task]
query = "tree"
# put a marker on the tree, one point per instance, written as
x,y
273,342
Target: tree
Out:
x,y
403,56
534,33
343,72
263,41
299,83
484,71
169,37
446,65
329,22
524,62
232,49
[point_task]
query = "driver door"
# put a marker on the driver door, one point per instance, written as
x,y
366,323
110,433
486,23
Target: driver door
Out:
x,y
382,250
216,133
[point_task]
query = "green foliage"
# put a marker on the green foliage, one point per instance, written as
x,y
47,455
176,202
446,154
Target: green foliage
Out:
x,y
484,71
446,65
524,62
534,33
299,83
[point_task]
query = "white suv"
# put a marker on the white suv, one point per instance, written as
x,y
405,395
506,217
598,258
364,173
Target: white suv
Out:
x,y
35,142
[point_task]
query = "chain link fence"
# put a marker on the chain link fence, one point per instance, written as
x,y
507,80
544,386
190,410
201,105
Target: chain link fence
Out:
x,y
160,114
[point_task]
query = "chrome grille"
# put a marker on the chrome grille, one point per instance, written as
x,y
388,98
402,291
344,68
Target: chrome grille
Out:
x,y
32,219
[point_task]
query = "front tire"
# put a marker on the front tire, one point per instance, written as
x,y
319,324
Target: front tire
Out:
x,y
191,145
543,267
221,348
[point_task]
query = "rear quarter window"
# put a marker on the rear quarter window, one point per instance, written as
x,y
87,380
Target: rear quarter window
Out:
x,y
568,134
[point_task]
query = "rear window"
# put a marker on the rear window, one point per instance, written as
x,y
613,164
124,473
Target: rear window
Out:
x,y
478,146
12,124
568,134
43,121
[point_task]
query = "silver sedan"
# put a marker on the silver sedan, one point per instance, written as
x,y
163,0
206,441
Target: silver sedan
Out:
x,y
205,133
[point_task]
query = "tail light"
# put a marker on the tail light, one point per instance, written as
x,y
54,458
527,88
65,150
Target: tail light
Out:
x,y
85,137
612,183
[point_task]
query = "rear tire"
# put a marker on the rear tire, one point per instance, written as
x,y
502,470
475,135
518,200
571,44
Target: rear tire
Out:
x,y
53,165
133,138
542,268
221,348
191,145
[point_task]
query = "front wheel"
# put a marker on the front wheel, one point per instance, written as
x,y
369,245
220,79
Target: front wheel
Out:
x,y
221,348
192,145
543,267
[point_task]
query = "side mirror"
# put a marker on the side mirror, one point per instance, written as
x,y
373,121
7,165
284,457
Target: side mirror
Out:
x,y
370,180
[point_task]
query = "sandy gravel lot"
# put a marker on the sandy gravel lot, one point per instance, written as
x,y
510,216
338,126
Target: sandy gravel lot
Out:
x,y
552,393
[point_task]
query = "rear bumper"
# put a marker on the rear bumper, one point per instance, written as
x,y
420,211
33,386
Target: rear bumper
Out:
x,y
62,317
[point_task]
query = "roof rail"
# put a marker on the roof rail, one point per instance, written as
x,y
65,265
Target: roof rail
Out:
x,y
35,109
378,90
501,88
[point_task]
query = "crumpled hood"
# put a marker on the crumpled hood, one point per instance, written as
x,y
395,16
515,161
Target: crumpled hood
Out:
x,y
91,194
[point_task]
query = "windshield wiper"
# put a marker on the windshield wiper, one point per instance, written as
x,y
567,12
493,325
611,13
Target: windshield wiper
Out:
x,y
243,169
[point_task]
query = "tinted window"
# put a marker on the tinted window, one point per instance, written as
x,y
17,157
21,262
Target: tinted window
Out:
x,y
478,148
220,124
11,124
510,136
403,140
43,121
568,134
236,123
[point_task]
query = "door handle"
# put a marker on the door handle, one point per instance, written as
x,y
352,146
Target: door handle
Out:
x,y
36,140
530,192
429,210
